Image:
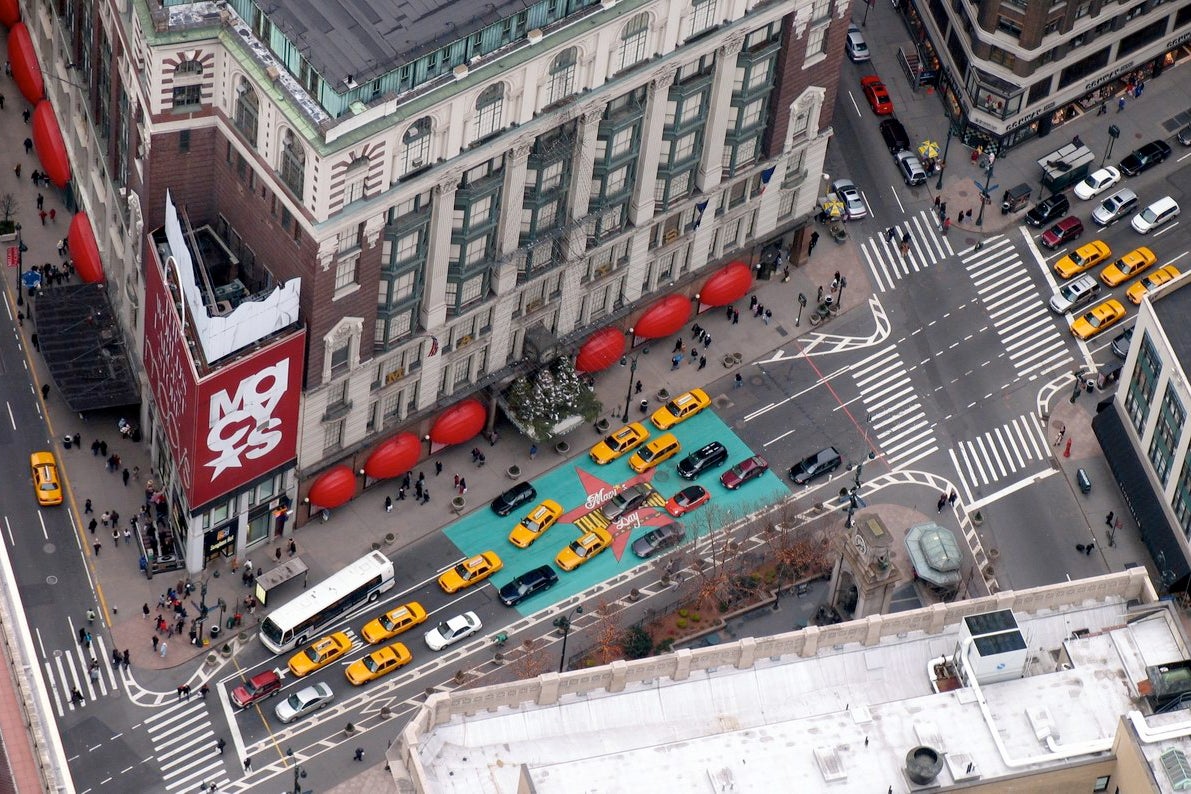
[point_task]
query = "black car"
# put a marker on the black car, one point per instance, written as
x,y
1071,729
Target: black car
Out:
x,y
1120,344
528,584
659,539
513,498
702,459
822,462
1145,158
1049,209
894,135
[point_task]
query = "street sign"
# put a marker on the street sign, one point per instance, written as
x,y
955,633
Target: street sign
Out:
x,y
14,256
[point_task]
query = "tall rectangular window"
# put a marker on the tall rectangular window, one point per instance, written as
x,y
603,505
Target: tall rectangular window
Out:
x,y
1144,380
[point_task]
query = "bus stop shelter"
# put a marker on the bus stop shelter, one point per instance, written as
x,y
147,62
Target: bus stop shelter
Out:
x,y
272,579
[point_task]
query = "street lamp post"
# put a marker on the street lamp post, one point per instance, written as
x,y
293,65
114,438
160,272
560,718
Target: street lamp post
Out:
x,y
563,624
946,148
801,306
992,161
854,493
628,397
20,263
839,294
1114,132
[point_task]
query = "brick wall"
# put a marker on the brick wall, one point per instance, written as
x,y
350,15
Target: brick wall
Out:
x,y
792,79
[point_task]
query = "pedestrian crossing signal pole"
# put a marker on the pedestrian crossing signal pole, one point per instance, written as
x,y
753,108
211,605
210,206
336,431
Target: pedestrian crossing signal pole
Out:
x,y
984,198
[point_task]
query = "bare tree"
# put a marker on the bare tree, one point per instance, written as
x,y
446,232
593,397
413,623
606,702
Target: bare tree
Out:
x,y
8,206
609,637
530,660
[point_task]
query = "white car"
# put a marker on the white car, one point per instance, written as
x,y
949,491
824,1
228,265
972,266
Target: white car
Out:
x,y
1097,183
304,701
452,631
849,194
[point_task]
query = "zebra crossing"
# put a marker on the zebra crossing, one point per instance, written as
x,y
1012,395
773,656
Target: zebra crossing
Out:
x,y
893,409
184,745
71,668
1000,453
1032,341
927,247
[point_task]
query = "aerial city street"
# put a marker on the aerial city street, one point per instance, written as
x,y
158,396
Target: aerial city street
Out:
x,y
694,318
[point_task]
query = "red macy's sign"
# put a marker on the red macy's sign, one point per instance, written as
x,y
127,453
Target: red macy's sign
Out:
x,y
233,425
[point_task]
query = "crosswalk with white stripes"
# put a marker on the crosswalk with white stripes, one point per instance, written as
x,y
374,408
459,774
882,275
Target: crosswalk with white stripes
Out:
x,y
1032,341
185,745
71,668
893,410
927,247
1007,452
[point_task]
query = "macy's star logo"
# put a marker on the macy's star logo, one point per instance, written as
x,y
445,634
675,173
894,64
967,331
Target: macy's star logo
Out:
x,y
599,491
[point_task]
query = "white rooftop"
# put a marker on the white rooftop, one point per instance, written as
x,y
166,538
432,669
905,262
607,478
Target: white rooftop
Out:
x,y
843,718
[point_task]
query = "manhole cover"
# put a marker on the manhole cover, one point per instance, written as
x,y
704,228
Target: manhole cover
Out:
x,y
51,580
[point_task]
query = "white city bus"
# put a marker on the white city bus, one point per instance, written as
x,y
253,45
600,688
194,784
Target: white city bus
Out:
x,y
298,621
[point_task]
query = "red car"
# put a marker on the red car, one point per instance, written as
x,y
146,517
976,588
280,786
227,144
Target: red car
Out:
x,y
1062,232
687,500
877,96
259,687
747,469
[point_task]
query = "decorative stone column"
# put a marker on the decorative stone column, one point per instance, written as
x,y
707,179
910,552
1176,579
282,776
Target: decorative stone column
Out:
x,y
711,163
508,234
434,308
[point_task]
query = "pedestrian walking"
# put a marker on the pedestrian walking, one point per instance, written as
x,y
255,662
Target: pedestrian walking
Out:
x,y
697,330
706,340
1,101
293,547
637,387
729,314
753,302
1120,107
1108,518
76,696
186,691
28,145
943,210
43,215
767,316
203,690
97,546
40,201
937,200
437,469
425,496
116,537
128,536
735,317
53,215
277,551
124,657
675,361
533,448
738,381
17,169
126,475
359,756
164,645
942,501
758,310
103,448
890,234
456,481
702,362
45,391
678,346
220,744
814,241
92,525
493,437
179,693
946,226
418,490
951,499
136,472
155,641
87,508
248,764
388,509
1103,109
1088,549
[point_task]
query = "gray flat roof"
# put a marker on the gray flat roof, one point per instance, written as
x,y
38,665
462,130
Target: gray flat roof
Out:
x,y
1172,308
369,38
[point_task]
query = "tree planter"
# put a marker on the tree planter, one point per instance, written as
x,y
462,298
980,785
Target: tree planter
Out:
x,y
349,730
457,504
562,448
663,395
226,650
498,658
385,712
514,472
728,362
212,660
601,426
634,595
737,357
390,537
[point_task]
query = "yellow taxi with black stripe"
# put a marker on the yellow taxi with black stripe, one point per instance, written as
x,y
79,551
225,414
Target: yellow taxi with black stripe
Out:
x,y
46,484
681,408
378,663
655,452
1098,319
1131,264
1151,282
618,442
583,549
1083,258
393,622
320,654
534,525
470,572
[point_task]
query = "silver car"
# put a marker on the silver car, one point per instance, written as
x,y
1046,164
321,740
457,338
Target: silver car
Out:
x,y
1115,207
856,46
626,501
848,193
304,701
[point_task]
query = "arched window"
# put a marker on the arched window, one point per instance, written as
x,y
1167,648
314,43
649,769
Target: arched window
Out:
x,y
489,106
702,16
247,111
415,146
293,164
633,41
192,68
562,75
355,180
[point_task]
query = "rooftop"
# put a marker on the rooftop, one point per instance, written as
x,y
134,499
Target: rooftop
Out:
x,y
812,708
1172,307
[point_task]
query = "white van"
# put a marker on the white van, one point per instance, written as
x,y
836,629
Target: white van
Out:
x,y
1155,215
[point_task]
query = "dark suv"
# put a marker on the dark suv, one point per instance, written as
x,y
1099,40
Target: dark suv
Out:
x,y
1145,158
527,584
894,135
1048,210
814,466
513,498
702,459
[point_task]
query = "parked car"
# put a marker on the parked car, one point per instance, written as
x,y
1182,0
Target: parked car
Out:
x,y
1075,293
877,95
618,442
854,206
855,46
626,501
1145,157
1098,319
680,408
658,539
303,702
470,572
1120,343
452,631
1048,209
747,469
686,500
894,135
817,465
1163,210
260,686
911,168
705,457
1097,182
1066,230
1115,207
513,498
1184,136
527,584
380,662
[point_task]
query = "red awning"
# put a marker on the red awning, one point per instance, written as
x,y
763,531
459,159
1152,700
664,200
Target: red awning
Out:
x,y
25,68
728,284
10,13
664,317
51,149
334,487
459,423
394,457
83,250
600,351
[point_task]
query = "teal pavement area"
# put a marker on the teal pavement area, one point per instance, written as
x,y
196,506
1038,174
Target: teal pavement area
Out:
x,y
577,485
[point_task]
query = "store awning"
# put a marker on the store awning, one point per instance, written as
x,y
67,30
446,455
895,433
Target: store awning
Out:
x,y
84,251
727,285
26,70
10,13
601,350
459,423
664,317
333,487
394,457
51,149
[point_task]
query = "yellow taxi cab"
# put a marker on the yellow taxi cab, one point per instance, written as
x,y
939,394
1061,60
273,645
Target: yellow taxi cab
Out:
x,y
660,449
1151,282
471,571
320,654
583,549
1083,258
1136,261
681,408
617,443
45,478
1098,319
393,622
534,525
379,662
